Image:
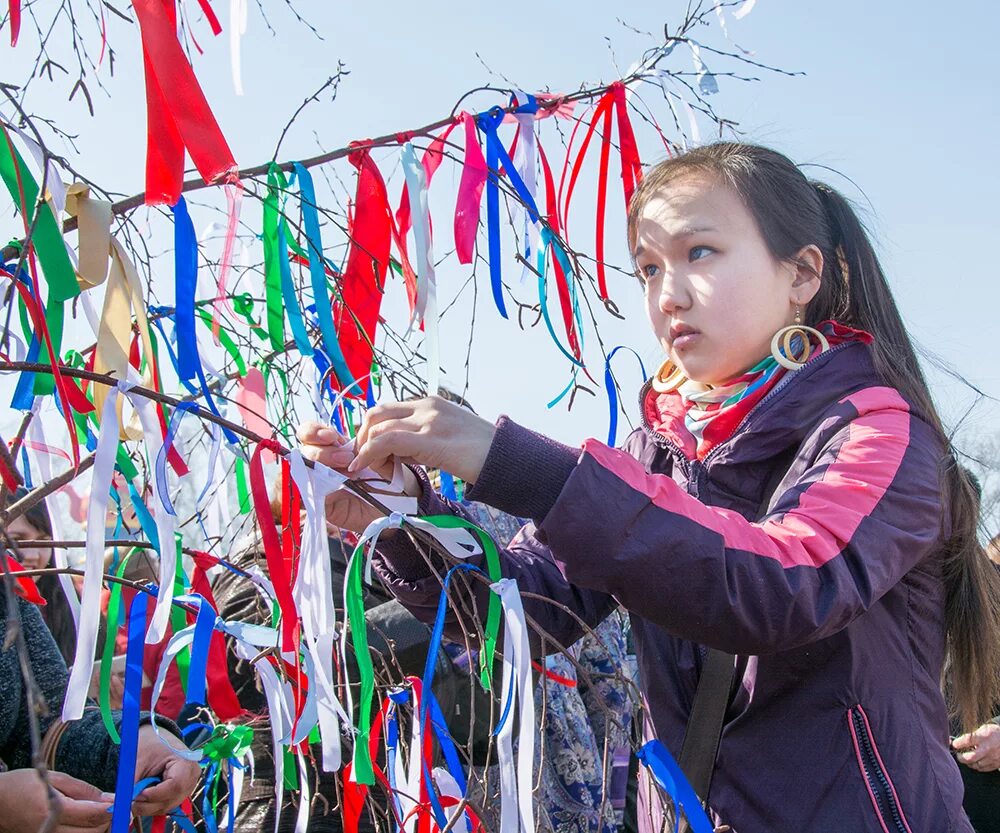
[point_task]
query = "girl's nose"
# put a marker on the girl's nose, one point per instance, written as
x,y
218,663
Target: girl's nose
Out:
x,y
673,296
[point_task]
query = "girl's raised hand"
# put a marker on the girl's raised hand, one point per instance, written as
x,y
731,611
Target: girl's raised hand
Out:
x,y
344,510
431,432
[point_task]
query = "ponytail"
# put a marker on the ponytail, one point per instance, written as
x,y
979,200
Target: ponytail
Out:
x,y
791,213
855,291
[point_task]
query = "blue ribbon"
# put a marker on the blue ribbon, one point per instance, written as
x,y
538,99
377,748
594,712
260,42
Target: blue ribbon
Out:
x,y
671,779
157,314
497,158
448,486
145,519
24,396
317,274
168,443
549,240
288,293
609,384
121,817
202,639
26,467
186,281
392,744
175,815
429,704
207,812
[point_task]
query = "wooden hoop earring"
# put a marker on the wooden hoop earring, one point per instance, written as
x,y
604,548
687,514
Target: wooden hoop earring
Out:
x,y
783,349
668,378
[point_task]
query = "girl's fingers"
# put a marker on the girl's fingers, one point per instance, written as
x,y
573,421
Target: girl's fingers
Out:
x,y
380,414
377,452
336,457
316,433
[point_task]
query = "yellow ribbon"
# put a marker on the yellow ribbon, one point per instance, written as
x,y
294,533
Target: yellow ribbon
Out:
x,y
123,297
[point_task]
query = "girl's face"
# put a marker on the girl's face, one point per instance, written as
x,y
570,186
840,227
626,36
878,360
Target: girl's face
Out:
x,y
32,558
714,294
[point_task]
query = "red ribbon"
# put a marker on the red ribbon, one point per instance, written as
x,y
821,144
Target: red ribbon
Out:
x,y
213,21
562,285
364,276
556,678
15,20
272,549
611,103
8,472
24,586
37,316
184,120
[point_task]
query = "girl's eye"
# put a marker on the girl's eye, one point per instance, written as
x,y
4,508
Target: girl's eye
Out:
x,y
649,271
698,252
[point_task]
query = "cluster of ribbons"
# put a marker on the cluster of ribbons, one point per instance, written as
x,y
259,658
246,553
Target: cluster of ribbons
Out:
x,y
329,313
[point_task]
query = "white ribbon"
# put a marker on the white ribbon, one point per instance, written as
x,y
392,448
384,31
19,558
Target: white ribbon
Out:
x,y
237,29
313,595
165,522
93,574
178,642
53,182
425,308
516,810
524,161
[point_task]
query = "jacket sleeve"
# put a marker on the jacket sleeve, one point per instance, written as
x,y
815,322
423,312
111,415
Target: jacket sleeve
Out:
x,y
560,609
861,514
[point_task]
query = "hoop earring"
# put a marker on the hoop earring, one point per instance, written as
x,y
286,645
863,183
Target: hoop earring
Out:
x,y
668,378
783,349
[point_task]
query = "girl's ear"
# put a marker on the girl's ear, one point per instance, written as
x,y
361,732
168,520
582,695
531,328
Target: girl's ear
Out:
x,y
808,265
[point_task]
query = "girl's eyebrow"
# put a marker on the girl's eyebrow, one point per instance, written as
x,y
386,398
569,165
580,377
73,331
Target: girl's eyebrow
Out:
x,y
689,231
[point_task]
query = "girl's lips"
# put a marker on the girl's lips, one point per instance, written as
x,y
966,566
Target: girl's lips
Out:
x,y
682,342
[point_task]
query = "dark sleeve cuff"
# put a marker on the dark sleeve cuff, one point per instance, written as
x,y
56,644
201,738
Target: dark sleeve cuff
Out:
x,y
524,472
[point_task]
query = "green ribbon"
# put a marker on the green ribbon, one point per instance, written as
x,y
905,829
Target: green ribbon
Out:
x,y
272,269
114,622
178,616
363,770
47,240
492,627
225,339
227,742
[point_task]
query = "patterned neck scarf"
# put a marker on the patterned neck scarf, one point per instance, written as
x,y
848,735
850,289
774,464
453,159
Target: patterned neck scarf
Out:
x,y
713,413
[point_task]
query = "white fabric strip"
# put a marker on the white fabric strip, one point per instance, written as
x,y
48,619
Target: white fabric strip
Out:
x,y
93,574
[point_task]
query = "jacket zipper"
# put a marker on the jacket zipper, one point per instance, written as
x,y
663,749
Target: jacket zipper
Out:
x,y
679,452
877,778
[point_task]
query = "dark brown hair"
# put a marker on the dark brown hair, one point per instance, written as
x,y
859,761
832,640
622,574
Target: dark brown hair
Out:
x,y
793,212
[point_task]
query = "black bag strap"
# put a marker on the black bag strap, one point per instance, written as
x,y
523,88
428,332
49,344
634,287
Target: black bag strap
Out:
x,y
708,712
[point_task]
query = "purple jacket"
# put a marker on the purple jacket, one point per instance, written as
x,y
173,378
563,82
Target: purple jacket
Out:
x,y
808,543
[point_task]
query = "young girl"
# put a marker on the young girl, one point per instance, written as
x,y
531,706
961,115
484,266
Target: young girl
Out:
x,y
791,498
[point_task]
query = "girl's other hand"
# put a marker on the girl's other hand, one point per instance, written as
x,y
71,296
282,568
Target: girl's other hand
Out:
x,y
431,432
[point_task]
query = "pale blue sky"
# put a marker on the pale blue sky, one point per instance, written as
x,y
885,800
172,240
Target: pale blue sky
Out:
x,y
900,97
